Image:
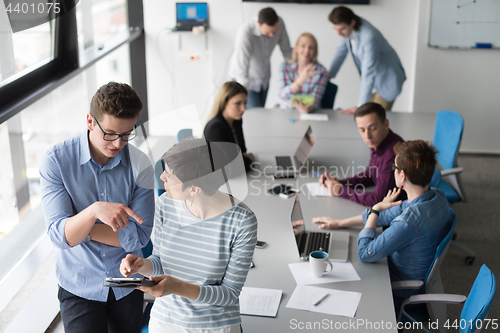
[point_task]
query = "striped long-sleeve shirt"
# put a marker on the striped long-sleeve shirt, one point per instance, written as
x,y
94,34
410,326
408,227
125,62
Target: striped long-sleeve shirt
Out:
x,y
315,85
214,253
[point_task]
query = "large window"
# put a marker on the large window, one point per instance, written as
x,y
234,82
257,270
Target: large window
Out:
x,y
24,51
45,93
100,20
57,116
9,216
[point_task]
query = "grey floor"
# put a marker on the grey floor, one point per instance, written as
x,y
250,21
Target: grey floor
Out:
x,y
477,228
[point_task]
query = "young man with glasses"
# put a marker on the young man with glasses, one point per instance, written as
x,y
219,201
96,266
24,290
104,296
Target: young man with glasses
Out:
x,y
98,205
374,129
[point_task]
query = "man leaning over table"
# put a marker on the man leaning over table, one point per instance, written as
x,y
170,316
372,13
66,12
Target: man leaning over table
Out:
x,y
381,71
374,128
98,205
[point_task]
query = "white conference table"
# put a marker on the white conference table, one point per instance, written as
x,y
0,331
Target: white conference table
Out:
x,y
276,123
271,263
339,148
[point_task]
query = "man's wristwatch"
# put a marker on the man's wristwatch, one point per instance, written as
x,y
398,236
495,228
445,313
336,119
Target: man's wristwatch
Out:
x,y
371,210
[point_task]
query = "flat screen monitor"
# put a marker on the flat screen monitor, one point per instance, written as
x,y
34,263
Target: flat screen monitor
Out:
x,y
339,2
194,12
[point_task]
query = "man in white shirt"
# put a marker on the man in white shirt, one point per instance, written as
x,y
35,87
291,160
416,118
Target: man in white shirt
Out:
x,y
255,42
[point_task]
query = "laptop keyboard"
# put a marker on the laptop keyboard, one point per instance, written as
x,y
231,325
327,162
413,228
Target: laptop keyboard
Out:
x,y
284,162
317,240
313,241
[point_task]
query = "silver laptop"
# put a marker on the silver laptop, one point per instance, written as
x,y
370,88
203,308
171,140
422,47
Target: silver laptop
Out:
x,y
288,165
335,243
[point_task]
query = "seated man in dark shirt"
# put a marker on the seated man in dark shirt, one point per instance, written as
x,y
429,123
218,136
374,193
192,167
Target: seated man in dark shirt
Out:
x,y
374,129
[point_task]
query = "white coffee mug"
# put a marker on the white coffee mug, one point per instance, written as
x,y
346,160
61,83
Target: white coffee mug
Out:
x,y
318,260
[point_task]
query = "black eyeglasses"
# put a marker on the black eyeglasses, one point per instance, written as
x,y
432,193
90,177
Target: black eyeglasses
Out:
x,y
114,136
395,167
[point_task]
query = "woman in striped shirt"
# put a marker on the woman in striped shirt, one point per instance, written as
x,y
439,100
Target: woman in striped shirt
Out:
x,y
203,243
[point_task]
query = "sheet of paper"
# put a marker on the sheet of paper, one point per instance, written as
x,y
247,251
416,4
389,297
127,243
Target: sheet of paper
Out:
x,y
317,190
342,271
314,116
260,301
339,302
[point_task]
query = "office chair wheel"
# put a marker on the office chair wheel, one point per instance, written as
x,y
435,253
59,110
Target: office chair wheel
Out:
x,y
469,261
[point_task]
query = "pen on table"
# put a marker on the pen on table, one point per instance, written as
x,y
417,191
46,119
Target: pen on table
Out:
x,y
321,299
317,174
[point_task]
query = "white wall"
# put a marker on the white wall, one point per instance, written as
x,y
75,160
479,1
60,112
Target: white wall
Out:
x,y
197,82
466,81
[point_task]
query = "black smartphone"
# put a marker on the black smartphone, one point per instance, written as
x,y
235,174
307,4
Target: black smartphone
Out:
x,y
260,244
279,189
129,283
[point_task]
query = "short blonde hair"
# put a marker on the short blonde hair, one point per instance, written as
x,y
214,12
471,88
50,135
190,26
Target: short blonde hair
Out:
x,y
306,34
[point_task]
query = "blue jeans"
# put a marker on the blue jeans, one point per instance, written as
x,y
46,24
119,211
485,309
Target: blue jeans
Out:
x,y
83,315
257,99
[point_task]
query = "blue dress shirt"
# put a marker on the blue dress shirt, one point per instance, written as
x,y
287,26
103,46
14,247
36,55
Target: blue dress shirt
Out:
x,y
377,62
72,180
415,230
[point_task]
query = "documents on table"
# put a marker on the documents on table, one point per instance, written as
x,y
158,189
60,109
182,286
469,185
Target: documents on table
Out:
x,y
260,301
338,302
317,190
342,271
314,116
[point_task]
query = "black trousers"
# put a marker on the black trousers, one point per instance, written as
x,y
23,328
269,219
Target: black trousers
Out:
x,y
80,315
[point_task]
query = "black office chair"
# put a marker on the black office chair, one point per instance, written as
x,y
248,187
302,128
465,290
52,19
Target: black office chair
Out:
x,y
329,96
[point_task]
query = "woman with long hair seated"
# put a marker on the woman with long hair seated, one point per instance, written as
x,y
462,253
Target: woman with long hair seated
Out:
x,y
203,244
414,227
304,75
225,118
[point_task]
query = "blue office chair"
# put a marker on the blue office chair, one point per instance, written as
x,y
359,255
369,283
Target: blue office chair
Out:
x,y
184,134
158,170
476,306
447,137
431,284
329,96
160,166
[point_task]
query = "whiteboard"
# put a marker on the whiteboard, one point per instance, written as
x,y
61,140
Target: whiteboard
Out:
x,y
463,23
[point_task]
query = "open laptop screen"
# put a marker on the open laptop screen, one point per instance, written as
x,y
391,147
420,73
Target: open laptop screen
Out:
x,y
296,217
305,146
195,12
